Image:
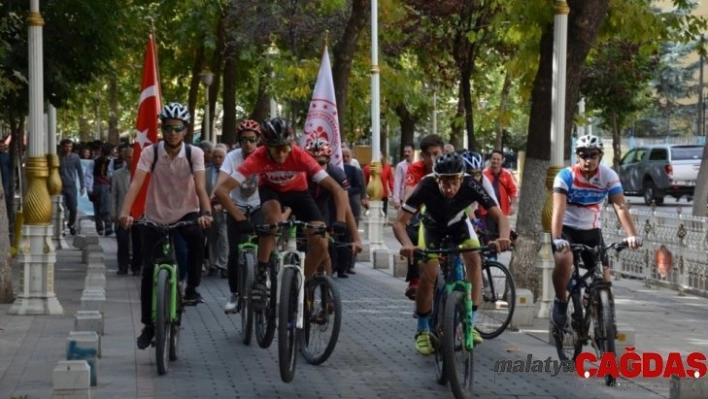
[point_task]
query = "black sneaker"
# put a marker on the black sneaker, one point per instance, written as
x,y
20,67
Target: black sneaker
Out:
x,y
145,338
72,231
342,275
259,295
560,316
192,297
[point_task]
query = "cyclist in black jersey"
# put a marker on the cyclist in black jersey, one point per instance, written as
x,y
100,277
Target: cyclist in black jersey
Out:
x,y
446,194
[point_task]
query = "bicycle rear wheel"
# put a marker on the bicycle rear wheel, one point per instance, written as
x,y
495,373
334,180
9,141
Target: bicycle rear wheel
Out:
x,y
176,326
459,362
605,328
568,344
287,328
498,300
246,268
162,322
265,320
322,320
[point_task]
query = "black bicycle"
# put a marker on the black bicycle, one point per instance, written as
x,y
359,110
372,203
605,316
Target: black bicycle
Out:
x,y
590,300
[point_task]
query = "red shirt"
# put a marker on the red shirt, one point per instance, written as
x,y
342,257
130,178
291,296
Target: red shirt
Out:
x,y
415,173
291,175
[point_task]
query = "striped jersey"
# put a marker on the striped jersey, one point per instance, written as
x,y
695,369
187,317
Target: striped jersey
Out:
x,y
584,197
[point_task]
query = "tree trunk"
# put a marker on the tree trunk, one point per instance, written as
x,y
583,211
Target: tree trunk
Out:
x,y
217,62
113,132
456,130
503,99
194,89
228,128
408,122
343,53
84,128
261,110
584,21
6,294
616,149
700,197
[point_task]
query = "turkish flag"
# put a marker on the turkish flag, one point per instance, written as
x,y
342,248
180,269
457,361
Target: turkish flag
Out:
x,y
148,111
322,119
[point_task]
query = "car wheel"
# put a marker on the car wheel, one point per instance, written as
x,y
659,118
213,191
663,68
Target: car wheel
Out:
x,y
650,194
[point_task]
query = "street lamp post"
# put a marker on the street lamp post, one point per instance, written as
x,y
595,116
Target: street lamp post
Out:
x,y
54,181
36,252
271,54
207,78
377,248
560,44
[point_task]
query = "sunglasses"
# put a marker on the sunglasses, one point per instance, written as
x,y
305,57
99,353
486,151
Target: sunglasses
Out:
x,y
476,174
588,155
279,149
252,139
173,128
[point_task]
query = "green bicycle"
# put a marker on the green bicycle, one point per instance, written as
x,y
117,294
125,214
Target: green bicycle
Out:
x,y
167,306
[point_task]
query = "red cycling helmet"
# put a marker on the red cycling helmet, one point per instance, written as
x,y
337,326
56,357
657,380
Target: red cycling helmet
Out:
x,y
248,124
319,148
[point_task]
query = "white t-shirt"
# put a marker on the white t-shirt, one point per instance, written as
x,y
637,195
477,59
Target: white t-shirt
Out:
x,y
247,193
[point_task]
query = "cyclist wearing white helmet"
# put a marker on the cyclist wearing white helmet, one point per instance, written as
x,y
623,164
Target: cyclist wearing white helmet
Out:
x,y
578,194
176,192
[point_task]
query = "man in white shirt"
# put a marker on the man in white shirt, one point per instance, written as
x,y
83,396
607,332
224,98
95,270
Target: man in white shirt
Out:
x,y
399,177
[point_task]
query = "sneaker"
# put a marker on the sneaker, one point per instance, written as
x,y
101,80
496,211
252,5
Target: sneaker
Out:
x,y
351,271
231,306
560,317
476,337
145,338
192,297
342,275
259,295
72,231
412,289
425,343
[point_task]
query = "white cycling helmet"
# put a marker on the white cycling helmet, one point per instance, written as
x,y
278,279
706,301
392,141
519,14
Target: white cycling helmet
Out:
x,y
175,111
589,142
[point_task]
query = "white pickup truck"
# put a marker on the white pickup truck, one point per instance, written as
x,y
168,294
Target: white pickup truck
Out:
x,y
659,170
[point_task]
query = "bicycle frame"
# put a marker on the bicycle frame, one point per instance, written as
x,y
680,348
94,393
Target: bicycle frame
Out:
x,y
167,263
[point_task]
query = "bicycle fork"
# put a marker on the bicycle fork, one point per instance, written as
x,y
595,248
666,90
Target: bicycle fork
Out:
x,y
173,290
465,287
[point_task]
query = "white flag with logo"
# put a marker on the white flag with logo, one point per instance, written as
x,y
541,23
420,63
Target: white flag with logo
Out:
x,y
322,118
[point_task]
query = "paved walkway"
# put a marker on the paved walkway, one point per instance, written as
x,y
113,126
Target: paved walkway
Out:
x,y
374,357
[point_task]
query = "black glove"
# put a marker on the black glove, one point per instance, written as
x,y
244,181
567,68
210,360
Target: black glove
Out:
x,y
244,226
339,228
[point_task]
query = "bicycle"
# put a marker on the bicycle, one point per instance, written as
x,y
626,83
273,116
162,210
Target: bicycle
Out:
x,y
595,304
296,306
498,293
450,319
167,305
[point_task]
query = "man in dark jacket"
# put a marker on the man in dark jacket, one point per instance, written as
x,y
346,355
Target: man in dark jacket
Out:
x,y
69,169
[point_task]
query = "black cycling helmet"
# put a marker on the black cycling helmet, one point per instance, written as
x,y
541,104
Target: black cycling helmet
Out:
x,y
449,164
276,132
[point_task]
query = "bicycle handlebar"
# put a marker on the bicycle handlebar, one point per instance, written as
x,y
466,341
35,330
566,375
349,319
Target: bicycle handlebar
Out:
x,y
424,254
163,227
266,228
617,246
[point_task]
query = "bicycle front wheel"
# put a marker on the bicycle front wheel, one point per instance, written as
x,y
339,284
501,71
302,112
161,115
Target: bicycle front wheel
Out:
x,y
175,327
246,269
322,320
458,361
162,322
265,320
498,300
605,328
437,325
287,320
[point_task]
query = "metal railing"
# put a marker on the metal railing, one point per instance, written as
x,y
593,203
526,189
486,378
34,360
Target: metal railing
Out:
x,y
685,236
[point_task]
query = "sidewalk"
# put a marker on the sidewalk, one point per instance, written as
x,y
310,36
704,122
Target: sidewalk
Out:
x,y
374,355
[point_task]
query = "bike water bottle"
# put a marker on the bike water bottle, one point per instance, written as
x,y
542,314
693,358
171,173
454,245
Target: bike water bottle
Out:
x,y
458,268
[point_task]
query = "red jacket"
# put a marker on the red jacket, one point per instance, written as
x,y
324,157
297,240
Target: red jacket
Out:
x,y
507,188
386,178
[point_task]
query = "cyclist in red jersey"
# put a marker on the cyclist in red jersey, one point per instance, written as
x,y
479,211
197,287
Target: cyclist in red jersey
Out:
x,y
283,170
431,146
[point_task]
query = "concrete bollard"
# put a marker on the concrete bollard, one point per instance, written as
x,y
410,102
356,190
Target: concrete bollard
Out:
x,y
382,259
688,388
95,281
365,254
85,345
88,320
524,310
400,266
71,379
81,241
93,299
92,254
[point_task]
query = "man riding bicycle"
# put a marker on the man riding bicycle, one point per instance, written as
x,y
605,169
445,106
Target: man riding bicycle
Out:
x,y
578,194
446,194
283,169
177,192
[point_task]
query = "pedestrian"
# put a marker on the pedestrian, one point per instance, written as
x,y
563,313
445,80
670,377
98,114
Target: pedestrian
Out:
x,y
125,236
505,188
100,191
70,170
399,178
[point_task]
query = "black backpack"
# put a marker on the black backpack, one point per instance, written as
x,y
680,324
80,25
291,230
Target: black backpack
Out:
x,y
187,153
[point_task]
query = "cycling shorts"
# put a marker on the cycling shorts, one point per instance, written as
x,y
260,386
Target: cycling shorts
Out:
x,y
592,238
301,203
461,233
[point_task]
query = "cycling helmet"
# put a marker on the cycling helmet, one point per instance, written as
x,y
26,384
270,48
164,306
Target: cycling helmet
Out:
x,y
473,160
248,124
276,132
589,142
319,147
175,111
449,164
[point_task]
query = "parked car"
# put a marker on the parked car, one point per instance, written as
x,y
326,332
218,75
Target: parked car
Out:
x,y
659,170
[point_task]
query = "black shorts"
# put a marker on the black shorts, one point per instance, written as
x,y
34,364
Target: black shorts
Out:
x,y
592,237
301,202
461,233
